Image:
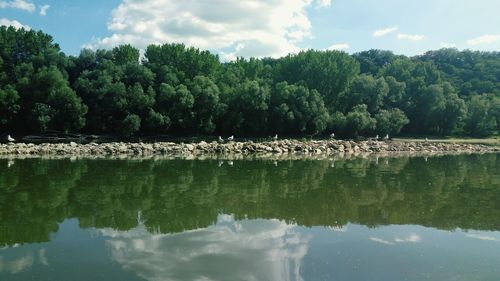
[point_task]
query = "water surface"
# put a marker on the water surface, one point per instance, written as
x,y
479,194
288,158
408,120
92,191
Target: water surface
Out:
x,y
402,218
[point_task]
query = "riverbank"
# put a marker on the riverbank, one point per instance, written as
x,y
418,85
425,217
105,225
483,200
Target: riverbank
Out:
x,y
286,146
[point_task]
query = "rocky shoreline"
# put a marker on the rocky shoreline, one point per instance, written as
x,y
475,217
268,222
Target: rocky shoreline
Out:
x,y
278,147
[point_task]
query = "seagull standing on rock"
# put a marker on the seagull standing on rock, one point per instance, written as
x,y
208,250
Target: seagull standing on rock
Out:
x,y
10,139
332,135
230,138
220,139
275,137
386,137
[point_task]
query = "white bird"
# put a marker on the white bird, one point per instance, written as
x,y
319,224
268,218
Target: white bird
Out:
x,y
386,137
275,137
221,163
10,163
426,139
10,139
230,138
275,163
376,137
220,139
230,163
332,135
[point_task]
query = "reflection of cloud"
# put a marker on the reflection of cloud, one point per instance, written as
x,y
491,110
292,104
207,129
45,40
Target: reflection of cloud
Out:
x,y
412,238
18,265
228,250
482,237
42,257
338,228
23,263
381,241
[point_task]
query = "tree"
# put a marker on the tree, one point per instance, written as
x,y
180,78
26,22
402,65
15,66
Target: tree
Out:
x,y
359,121
391,121
480,121
205,106
297,110
368,90
9,105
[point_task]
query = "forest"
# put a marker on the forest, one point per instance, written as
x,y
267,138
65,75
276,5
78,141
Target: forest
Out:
x,y
172,89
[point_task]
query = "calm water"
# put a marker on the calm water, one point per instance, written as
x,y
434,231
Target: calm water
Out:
x,y
364,219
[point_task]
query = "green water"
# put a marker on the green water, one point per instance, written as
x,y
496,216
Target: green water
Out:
x,y
434,218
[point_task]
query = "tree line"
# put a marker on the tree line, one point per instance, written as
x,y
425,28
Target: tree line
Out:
x,y
176,90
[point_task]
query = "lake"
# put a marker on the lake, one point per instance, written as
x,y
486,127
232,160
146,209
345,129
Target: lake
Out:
x,y
402,218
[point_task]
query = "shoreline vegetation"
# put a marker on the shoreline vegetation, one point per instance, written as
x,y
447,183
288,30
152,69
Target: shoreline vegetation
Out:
x,y
285,147
176,90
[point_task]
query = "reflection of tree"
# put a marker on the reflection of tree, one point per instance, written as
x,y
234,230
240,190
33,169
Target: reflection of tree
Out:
x,y
171,196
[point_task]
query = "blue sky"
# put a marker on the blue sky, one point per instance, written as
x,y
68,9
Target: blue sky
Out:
x,y
264,28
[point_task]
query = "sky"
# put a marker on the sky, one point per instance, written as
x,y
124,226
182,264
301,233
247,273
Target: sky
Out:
x,y
262,28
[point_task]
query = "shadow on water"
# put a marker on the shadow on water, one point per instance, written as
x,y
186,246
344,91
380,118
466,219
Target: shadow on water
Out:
x,y
171,196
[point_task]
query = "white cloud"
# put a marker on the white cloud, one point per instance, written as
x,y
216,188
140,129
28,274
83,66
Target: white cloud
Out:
x,y
260,28
416,37
18,4
448,45
485,39
43,9
385,31
13,23
253,249
323,3
339,47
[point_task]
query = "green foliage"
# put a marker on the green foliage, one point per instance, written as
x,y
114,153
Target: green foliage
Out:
x,y
391,121
130,125
481,120
359,122
297,110
9,105
184,91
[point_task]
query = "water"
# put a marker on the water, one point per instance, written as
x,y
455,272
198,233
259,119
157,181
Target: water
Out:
x,y
434,218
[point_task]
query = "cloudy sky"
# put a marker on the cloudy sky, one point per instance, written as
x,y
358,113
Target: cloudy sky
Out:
x,y
263,27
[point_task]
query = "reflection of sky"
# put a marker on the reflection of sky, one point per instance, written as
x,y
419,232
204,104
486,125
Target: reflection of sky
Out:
x,y
228,250
24,262
401,252
257,250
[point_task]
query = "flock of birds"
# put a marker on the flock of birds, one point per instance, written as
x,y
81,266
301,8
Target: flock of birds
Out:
x,y
332,136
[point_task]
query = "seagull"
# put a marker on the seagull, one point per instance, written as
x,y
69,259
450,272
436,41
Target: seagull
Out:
x,y
275,137
386,137
332,135
376,137
220,163
230,163
220,139
10,163
10,139
230,138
